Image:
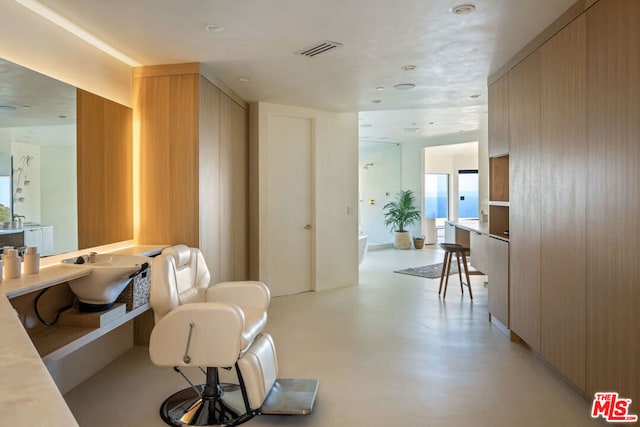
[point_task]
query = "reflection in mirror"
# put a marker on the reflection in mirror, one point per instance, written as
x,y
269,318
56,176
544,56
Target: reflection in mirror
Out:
x,y
5,188
38,129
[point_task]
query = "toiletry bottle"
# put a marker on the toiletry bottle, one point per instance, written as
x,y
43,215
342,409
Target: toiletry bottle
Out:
x,y
31,261
11,263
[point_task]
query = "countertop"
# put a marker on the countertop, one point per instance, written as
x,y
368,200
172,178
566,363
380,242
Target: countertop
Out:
x,y
476,226
28,395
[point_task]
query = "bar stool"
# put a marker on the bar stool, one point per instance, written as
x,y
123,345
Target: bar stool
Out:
x,y
458,250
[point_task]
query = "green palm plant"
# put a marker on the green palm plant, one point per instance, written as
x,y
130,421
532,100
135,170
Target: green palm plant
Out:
x,y
401,212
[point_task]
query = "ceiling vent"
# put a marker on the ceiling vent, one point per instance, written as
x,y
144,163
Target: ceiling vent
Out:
x,y
320,47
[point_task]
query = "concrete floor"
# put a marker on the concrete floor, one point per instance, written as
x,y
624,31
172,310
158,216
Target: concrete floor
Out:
x,y
389,352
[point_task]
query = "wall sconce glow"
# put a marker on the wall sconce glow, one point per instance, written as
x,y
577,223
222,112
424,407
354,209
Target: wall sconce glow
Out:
x,y
69,26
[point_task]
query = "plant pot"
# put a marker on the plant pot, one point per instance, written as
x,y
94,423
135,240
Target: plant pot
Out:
x,y
402,240
418,242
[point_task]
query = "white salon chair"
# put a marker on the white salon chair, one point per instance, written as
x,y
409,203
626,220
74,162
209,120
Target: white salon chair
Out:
x,y
212,327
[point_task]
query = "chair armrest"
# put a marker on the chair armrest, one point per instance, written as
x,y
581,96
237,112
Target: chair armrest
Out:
x,y
215,341
246,294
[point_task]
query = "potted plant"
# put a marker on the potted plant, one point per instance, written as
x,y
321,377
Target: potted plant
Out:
x,y
401,213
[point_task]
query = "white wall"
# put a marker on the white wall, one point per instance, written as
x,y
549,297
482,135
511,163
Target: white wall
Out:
x,y
412,167
59,195
336,190
29,207
379,183
33,42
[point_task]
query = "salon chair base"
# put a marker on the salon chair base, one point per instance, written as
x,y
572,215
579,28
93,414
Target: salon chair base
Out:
x,y
188,408
289,396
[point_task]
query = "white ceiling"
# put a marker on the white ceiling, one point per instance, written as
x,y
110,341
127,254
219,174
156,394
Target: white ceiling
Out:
x,y
453,54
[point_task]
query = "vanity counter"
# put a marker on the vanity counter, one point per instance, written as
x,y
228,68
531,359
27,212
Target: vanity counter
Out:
x,y
28,394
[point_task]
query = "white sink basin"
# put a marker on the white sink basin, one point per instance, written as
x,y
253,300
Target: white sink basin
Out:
x,y
110,274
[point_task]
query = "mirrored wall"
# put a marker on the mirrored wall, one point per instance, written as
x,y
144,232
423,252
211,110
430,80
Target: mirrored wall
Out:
x,y
38,132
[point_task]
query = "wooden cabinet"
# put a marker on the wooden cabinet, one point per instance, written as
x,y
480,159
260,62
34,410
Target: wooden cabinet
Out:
x,y
524,198
499,117
193,166
613,202
563,146
479,255
498,272
574,167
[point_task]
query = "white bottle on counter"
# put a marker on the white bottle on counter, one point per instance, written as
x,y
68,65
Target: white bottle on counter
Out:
x,y
11,261
31,261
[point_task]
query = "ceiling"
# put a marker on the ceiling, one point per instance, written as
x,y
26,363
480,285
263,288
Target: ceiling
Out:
x,y
255,53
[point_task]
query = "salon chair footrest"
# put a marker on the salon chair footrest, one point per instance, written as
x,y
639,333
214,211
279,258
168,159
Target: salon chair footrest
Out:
x,y
291,396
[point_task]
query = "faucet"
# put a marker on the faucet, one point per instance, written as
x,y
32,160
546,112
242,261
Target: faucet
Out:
x,y
92,257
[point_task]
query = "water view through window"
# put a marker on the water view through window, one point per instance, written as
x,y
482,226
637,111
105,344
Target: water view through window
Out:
x,y
436,197
468,194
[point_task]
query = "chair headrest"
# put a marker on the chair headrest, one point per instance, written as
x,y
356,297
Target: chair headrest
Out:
x,y
180,253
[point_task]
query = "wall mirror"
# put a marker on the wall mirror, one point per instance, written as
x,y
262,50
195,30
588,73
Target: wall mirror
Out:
x,y
38,131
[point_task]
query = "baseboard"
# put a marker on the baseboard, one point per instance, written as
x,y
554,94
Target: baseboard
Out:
x,y
379,246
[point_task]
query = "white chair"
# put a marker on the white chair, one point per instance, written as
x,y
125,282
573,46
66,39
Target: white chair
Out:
x,y
212,327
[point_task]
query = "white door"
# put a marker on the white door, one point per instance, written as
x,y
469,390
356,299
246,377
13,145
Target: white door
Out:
x,y
289,235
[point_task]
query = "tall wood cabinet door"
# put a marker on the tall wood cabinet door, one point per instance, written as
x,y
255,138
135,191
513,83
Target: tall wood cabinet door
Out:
x,y
209,176
499,117
524,197
563,169
613,205
498,271
479,256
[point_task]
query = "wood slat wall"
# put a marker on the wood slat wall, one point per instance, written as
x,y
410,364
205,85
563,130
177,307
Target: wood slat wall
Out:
x,y
524,198
104,171
613,203
563,169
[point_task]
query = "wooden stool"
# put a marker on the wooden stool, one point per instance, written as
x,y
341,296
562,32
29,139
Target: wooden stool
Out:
x,y
449,250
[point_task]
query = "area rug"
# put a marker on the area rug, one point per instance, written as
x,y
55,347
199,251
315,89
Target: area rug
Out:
x,y
432,271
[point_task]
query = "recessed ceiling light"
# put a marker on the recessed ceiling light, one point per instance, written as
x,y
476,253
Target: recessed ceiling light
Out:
x,y
409,67
411,129
431,123
26,107
380,88
475,95
376,101
404,86
244,79
7,108
463,9
213,28
62,116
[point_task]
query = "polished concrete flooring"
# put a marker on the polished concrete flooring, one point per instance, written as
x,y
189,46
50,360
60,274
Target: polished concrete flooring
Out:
x,y
388,352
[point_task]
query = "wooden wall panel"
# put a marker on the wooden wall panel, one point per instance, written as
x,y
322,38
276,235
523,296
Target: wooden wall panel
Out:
x,y
240,190
209,161
167,111
524,197
498,272
613,203
563,183
105,171
499,117
226,189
